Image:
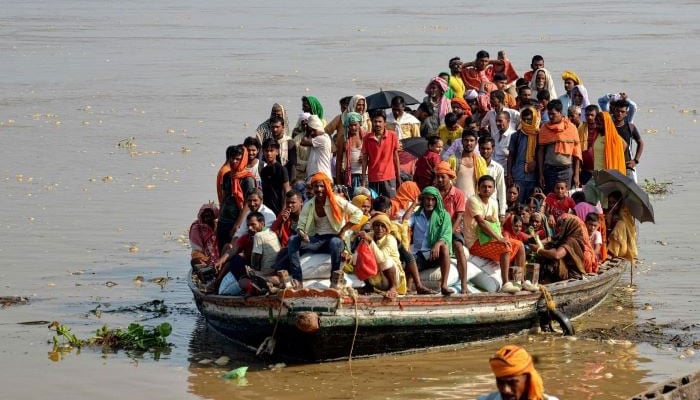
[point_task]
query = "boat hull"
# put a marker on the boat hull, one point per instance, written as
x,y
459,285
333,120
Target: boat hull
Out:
x,y
372,325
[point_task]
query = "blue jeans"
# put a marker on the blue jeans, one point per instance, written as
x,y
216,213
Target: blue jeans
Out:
x,y
553,174
317,244
526,188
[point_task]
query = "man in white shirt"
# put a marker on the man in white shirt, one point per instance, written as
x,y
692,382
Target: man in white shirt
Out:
x,y
404,124
254,202
497,98
486,145
502,138
320,148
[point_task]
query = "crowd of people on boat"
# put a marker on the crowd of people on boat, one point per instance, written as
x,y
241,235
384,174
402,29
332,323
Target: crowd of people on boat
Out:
x,y
498,177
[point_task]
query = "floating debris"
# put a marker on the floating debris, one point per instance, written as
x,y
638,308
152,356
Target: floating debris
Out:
x,y
128,143
221,361
205,361
647,307
651,130
185,150
107,178
133,249
111,283
161,281
7,301
656,188
237,373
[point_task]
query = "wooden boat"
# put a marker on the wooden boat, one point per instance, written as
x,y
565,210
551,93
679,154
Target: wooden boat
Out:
x,y
323,325
686,387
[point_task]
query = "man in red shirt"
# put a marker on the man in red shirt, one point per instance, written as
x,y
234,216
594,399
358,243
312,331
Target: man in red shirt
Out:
x,y
455,204
380,157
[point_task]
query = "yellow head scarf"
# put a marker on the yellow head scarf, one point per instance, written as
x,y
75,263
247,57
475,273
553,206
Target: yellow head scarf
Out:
x,y
571,75
358,201
513,360
531,130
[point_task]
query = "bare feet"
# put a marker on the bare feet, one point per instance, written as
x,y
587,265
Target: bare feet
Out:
x,y
391,294
424,290
446,291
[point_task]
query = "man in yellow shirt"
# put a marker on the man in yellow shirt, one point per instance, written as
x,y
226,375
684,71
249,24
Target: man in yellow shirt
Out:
x,y
456,82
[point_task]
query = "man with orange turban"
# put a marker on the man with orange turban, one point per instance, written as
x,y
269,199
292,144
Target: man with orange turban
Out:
x,y
322,224
516,376
455,204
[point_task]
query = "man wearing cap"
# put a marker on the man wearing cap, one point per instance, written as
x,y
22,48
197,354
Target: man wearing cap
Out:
x,y
516,376
320,148
322,224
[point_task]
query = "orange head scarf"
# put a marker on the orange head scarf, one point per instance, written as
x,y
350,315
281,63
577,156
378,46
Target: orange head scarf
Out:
x,y
462,104
236,176
330,196
513,360
406,193
443,167
614,146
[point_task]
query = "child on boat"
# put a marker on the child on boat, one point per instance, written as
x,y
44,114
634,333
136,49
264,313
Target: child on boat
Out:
x,y
593,226
558,202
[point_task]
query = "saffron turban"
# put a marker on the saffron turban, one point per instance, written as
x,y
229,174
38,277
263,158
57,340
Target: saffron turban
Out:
x,y
444,168
461,102
513,360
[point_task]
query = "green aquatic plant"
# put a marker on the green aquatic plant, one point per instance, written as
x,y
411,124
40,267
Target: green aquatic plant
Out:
x,y
135,337
656,188
128,143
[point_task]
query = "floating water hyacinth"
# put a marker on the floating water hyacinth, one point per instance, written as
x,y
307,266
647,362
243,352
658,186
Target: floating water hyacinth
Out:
x,y
128,143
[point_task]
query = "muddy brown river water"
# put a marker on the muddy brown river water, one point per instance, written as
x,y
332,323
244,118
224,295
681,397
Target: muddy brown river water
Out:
x,y
185,80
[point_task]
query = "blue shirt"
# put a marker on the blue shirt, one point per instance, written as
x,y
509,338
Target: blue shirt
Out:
x,y
419,223
518,147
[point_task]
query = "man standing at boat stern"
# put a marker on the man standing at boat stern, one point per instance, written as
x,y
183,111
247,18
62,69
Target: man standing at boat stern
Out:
x,y
380,157
516,376
322,224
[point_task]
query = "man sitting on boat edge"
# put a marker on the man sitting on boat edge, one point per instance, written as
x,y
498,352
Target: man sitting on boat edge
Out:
x,y
322,224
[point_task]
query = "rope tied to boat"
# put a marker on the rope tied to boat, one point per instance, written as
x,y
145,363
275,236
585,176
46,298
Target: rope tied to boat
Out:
x,y
353,295
548,299
268,345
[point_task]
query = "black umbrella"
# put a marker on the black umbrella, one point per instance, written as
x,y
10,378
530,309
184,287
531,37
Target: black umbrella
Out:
x,y
635,198
416,146
382,99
